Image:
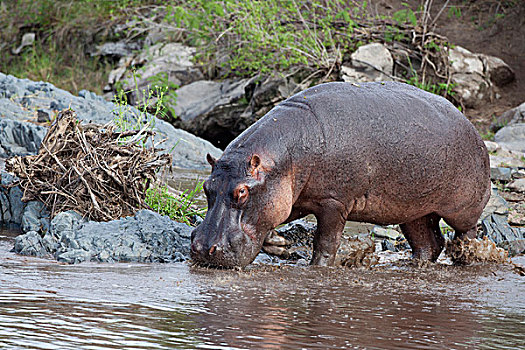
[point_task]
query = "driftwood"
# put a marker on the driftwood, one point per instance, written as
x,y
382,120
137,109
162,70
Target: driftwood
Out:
x,y
101,173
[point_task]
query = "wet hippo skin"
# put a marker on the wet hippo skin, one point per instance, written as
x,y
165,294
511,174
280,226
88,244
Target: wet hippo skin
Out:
x,y
384,153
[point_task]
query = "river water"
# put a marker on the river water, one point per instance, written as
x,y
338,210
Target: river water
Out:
x,y
47,305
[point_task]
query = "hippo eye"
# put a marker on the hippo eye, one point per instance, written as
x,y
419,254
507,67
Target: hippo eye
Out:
x,y
241,194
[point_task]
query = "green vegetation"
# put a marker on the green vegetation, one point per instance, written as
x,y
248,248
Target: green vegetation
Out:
x,y
487,135
178,207
267,36
65,31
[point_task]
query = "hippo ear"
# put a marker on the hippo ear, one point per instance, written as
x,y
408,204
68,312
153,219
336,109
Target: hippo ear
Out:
x,y
254,166
211,160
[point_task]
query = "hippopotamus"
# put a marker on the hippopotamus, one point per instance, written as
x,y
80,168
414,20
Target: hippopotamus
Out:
x,y
383,153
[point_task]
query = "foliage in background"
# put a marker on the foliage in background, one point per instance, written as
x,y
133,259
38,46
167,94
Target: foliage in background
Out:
x,y
65,31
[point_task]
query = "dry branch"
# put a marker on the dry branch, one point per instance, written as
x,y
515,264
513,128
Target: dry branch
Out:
x,y
89,168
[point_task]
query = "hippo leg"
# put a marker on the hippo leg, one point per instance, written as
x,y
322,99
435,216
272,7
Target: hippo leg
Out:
x,y
463,222
330,225
424,237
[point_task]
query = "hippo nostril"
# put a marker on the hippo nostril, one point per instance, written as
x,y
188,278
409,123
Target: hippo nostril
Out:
x,y
213,249
196,247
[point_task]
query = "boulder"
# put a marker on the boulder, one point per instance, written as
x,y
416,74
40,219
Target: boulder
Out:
x,y
512,137
496,205
517,185
18,138
214,110
24,97
145,237
512,116
496,228
475,75
116,49
371,62
168,64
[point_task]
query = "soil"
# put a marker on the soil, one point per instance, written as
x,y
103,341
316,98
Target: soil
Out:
x,y
495,28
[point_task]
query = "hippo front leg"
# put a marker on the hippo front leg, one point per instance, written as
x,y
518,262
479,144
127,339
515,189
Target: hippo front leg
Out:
x,y
330,224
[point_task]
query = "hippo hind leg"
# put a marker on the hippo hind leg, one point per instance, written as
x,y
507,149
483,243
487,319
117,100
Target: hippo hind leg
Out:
x,y
424,237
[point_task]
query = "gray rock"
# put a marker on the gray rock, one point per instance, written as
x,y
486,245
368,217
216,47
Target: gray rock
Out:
x,y
512,116
116,49
506,162
476,74
517,185
20,138
496,228
496,205
170,62
497,70
146,237
492,146
501,174
382,232
33,217
202,96
512,137
213,110
371,62
27,40
515,247
30,244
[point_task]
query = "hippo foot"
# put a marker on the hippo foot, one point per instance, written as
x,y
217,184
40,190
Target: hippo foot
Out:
x,y
275,245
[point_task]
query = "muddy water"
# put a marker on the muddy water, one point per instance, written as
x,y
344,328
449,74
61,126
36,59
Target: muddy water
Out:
x,y
46,305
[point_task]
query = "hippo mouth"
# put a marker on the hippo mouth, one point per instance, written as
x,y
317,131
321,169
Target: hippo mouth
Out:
x,y
228,250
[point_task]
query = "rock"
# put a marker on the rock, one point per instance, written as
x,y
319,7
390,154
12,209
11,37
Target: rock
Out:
x,y
492,146
171,63
496,228
116,49
35,217
513,116
512,137
18,137
146,237
213,110
30,244
476,74
42,116
382,232
371,62
27,40
496,205
506,162
515,247
501,174
497,70
517,185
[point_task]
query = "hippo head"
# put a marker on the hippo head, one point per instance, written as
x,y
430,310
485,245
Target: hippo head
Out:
x,y
242,208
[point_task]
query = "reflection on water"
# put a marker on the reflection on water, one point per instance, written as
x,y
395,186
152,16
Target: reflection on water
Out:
x,y
46,305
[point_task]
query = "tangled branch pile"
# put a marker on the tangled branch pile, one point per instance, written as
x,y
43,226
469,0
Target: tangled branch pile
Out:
x,y
99,172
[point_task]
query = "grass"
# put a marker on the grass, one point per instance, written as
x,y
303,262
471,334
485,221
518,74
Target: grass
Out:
x,y
65,31
180,208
